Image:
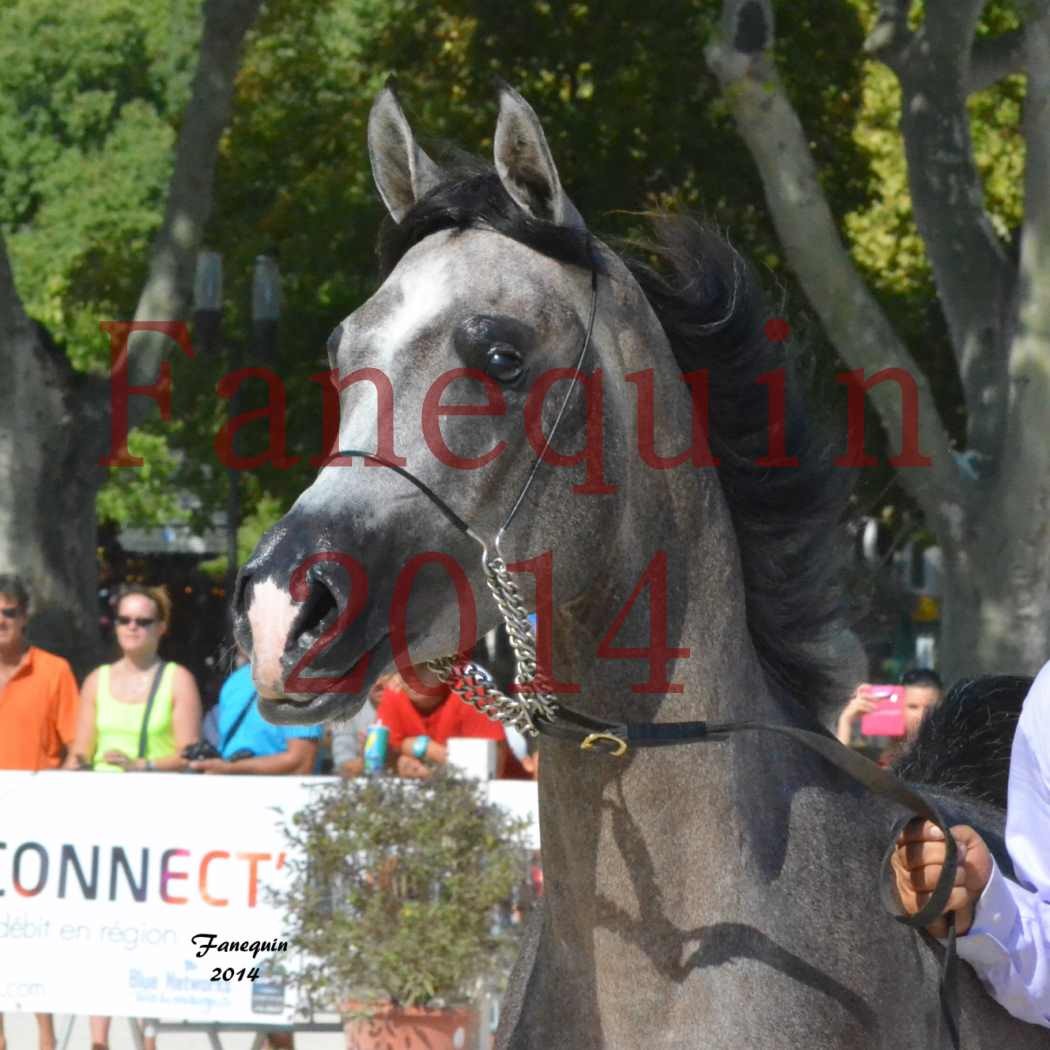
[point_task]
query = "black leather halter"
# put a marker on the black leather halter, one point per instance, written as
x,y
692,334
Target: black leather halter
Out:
x,y
617,738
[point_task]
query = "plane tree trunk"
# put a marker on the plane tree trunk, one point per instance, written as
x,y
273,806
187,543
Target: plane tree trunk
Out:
x,y
55,423
988,505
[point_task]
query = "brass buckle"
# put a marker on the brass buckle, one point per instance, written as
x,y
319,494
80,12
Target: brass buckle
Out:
x,y
621,744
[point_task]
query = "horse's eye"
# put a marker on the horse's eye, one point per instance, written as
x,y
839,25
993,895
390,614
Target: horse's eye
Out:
x,y
504,363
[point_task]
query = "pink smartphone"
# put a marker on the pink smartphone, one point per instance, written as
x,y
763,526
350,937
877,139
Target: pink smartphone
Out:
x,y
888,717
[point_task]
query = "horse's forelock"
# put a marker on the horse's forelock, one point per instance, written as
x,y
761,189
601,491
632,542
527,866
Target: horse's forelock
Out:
x,y
474,198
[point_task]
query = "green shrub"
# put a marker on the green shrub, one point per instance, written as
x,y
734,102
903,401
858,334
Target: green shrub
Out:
x,y
394,889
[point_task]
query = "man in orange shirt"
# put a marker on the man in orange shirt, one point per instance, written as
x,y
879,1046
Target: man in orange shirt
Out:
x,y
38,693
38,707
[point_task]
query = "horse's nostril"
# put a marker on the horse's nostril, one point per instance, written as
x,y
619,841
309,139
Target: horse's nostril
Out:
x,y
319,605
242,592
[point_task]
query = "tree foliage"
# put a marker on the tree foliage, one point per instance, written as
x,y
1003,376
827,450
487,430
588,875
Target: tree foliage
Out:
x,y
883,238
946,229
88,113
634,120
88,117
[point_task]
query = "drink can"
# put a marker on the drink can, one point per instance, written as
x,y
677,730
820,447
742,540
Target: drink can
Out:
x,y
375,749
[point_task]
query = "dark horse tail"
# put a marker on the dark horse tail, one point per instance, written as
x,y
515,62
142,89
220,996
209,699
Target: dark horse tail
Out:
x,y
964,745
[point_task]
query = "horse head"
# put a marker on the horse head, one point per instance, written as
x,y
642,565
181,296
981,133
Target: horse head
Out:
x,y
492,282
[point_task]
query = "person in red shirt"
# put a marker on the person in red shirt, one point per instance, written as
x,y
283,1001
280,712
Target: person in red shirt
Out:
x,y
421,725
38,712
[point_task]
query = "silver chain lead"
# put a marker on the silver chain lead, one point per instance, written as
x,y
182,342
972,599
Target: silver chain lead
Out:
x,y
472,683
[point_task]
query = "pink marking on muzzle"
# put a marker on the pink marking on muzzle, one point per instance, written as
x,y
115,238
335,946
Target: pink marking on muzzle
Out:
x,y
270,616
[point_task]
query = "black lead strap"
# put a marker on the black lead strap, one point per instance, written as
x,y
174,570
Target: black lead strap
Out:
x,y
616,738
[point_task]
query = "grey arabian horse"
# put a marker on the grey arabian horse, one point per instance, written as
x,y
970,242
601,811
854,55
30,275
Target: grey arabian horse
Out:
x,y
704,896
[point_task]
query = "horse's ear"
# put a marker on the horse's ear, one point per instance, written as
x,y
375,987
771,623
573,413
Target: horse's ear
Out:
x,y
525,165
402,171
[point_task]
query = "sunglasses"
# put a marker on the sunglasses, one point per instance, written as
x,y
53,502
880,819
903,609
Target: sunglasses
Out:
x,y
138,621
9,612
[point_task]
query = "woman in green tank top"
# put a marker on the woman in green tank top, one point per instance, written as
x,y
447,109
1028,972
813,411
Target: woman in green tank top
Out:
x,y
114,697
113,701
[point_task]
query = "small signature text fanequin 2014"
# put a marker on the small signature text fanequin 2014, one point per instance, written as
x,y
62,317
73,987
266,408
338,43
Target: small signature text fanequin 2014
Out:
x,y
207,942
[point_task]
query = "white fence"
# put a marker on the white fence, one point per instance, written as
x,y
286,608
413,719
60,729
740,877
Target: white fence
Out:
x,y
105,881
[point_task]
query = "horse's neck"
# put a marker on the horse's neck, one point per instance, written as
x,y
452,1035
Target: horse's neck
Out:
x,y
669,581
664,825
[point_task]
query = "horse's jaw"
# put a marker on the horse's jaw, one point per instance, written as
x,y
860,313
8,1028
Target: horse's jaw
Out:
x,y
324,707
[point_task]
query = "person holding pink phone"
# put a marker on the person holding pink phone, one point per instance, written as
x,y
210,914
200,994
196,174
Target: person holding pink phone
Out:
x,y
922,692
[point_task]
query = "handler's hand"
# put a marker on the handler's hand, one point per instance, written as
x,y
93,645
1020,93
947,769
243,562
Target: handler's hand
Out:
x,y
917,862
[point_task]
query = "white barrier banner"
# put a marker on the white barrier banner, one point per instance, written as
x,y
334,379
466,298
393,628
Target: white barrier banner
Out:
x,y
147,895
106,879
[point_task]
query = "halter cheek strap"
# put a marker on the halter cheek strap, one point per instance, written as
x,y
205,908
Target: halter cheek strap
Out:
x,y
453,517
565,400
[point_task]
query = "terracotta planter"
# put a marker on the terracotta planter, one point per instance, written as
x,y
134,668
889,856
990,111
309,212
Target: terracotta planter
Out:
x,y
394,1028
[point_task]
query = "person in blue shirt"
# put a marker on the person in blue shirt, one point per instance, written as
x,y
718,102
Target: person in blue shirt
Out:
x,y
250,744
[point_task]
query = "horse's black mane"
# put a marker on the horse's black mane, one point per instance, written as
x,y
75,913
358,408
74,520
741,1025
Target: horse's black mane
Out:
x,y
786,518
710,305
963,745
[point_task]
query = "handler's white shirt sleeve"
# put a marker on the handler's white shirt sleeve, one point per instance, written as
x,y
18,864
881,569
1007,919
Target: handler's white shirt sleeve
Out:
x,y
1009,942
